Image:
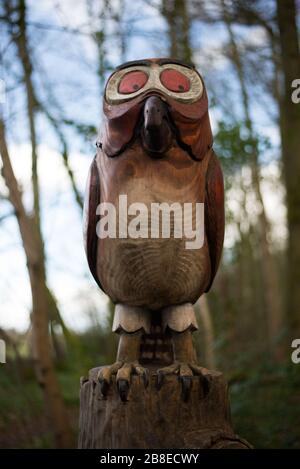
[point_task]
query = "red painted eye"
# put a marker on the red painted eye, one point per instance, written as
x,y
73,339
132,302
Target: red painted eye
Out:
x,y
132,81
175,81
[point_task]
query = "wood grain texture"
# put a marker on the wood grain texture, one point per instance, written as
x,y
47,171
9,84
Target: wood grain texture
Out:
x,y
92,199
214,214
153,419
153,273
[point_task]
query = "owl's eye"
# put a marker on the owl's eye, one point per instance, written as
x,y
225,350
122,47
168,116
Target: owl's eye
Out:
x,y
132,81
175,81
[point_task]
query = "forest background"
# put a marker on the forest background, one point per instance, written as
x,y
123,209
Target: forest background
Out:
x,y
55,57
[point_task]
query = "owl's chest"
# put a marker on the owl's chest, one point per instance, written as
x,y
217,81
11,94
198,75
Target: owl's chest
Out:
x,y
154,202
174,178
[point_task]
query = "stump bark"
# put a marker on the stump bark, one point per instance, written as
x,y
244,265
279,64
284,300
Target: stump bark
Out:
x,y
157,419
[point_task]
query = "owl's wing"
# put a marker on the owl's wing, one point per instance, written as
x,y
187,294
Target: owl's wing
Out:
x,y
214,214
90,219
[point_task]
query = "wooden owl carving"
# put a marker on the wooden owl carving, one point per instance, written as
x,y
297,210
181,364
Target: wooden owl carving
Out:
x,y
155,152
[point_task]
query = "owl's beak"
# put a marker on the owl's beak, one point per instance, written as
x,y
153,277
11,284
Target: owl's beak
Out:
x,y
156,132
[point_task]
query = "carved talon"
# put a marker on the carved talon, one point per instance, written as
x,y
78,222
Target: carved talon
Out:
x,y
123,372
185,373
197,370
104,385
168,370
186,386
105,374
123,389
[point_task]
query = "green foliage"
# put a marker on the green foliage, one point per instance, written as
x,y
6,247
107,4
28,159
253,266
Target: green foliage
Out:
x,y
23,418
266,406
21,405
235,147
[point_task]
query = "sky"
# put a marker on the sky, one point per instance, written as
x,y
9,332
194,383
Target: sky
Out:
x,y
68,62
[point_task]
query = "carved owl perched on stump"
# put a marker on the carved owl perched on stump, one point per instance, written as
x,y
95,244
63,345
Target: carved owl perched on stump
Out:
x,y
154,214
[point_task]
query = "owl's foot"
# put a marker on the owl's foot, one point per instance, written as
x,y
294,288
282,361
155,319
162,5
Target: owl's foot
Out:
x,y
185,372
123,372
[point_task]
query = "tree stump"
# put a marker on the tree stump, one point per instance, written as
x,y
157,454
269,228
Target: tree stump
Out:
x,y
157,419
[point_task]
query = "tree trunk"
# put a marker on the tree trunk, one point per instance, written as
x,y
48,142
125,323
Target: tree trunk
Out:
x,y
270,274
176,15
290,60
20,39
153,419
40,305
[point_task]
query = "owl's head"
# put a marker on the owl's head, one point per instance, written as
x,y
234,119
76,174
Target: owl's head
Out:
x,y
160,101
